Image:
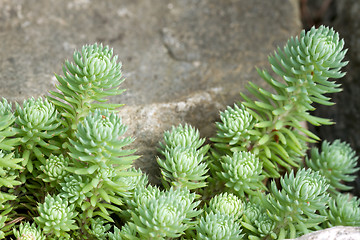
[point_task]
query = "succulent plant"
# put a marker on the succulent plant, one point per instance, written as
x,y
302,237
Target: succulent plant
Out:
x,y
76,141
344,210
337,162
98,145
98,228
217,226
28,232
296,206
38,125
167,215
94,75
184,167
54,168
56,216
184,164
71,188
242,173
227,204
304,66
183,136
234,127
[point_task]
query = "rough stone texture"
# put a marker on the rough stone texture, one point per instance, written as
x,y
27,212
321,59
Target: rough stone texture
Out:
x,y
183,60
335,233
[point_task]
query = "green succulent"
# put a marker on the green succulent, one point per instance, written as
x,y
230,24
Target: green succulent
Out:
x,y
265,226
7,132
337,162
8,169
183,136
71,188
28,232
142,195
38,124
242,173
94,75
167,215
295,207
304,66
256,222
227,204
10,165
5,107
234,127
76,141
97,144
56,216
135,179
115,235
344,210
98,228
217,226
184,167
252,212
54,168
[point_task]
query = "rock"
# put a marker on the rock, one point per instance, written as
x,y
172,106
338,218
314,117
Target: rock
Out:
x,y
183,60
334,233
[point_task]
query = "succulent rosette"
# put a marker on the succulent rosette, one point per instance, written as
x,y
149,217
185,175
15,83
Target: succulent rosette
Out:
x,y
99,228
38,124
234,127
337,162
28,232
54,168
94,70
242,173
184,167
297,204
71,188
185,136
56,216
217,226
227,204
97,142
167,215
344,210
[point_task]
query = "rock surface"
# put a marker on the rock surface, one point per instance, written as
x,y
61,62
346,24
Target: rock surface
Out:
x,y
334,233
183,60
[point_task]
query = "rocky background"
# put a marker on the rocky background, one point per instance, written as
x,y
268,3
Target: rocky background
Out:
x,y
183,60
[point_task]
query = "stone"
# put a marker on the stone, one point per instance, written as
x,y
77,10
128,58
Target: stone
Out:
x,y
334,233
183,60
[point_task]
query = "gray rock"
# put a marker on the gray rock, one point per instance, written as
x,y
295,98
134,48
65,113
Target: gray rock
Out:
x,y
184,60
334,233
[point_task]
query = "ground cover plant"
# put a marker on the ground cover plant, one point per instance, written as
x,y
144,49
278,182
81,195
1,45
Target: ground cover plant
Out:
x,y
66,168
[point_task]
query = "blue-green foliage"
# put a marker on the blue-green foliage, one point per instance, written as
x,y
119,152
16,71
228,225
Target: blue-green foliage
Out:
x,y
337,163
66,166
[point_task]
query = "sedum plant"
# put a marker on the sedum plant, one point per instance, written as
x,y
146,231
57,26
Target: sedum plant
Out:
x,y
66,166
28,232
336,162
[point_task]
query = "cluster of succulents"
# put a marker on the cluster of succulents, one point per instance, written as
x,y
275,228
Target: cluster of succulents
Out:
x,y
66,168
